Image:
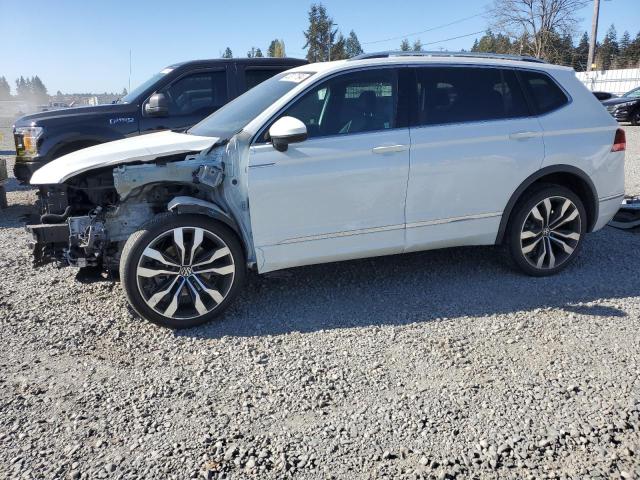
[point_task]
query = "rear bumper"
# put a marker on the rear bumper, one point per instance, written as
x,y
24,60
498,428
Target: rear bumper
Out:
x,y
608,208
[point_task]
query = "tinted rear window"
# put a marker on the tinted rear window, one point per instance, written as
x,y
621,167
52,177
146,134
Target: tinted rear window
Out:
x,y
467,94
544,92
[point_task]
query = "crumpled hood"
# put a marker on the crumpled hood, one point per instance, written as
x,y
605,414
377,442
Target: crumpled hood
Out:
x,y
143,148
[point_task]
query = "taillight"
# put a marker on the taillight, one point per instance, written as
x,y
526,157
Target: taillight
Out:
x,y
619,142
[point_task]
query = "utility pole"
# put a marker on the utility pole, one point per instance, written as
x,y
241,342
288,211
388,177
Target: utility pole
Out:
x,y
129,71
594,34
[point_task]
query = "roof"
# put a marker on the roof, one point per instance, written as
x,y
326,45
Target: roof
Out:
x,y
244,61
374,59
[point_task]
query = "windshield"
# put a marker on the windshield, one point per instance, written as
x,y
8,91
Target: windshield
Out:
x,y
135,93
635,93
235,115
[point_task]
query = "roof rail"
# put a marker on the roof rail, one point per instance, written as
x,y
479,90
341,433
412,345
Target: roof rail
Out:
x,y
498,56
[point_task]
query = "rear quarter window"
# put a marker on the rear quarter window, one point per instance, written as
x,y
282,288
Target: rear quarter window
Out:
x,y
543,91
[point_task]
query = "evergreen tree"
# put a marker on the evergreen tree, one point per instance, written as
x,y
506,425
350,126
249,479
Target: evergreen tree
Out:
x,y
417,46
254,53
608,51
404,46
581,54
38,90
276,49
352,45
5,89
22,89
227,53
124,92
339,49
625,42
633,53
320,35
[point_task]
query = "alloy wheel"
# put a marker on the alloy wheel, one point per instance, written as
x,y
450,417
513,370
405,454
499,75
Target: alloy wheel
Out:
x,y
550,233
185,273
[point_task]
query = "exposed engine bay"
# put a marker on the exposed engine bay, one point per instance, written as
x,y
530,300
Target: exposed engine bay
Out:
x,y
86,220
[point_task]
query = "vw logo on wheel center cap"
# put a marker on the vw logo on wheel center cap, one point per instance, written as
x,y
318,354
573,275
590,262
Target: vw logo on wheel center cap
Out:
x,y
185,271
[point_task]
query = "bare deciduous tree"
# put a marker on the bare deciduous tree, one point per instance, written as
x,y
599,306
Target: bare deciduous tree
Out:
x,y
534,24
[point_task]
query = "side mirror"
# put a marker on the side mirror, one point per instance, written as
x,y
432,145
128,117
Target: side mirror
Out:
x,y
157,105
287,130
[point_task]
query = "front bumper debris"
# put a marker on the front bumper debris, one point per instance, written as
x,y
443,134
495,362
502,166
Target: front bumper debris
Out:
x,y
48,242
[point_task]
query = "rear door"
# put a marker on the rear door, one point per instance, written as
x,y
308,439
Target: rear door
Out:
x,y
473,142
191,97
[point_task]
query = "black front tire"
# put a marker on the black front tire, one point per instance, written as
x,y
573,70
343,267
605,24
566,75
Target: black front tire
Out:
x,y
558,243
137,243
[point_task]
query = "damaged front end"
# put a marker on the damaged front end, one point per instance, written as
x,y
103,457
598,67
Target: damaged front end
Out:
x,y
86,220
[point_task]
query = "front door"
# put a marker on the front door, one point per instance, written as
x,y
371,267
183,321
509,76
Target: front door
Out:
x,y
191,98
341,193
473,143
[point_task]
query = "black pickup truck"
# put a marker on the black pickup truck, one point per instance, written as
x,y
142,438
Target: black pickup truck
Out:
x,y
175,98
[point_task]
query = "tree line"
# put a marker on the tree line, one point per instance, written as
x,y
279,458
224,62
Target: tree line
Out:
x,y
30,89
323,41
611,53
524,27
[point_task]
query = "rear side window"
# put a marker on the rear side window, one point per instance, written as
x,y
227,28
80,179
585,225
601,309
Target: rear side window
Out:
x,y
255,76
544,92
467,94
197,93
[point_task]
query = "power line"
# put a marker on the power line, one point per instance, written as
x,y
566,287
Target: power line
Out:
x,y
429,29
455,38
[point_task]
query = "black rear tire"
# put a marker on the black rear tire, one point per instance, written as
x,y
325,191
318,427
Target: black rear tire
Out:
x,y
546,246
139,288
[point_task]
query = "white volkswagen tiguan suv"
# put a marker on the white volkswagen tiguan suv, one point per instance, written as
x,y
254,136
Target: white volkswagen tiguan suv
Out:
x,y
378,155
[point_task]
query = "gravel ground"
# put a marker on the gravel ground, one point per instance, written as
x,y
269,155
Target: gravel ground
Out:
x,y
441,364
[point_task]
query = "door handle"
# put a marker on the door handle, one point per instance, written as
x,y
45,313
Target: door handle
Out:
x,y
389,149
523,135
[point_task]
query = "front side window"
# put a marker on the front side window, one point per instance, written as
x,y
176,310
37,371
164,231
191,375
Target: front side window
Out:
x,y
466,94
235,115
197,93
354,102
544,92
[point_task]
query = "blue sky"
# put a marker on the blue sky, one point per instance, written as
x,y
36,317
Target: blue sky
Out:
x,y
80,46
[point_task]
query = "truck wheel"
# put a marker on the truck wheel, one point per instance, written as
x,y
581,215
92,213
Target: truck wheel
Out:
x,y
635,117
546,230
3,197
180,271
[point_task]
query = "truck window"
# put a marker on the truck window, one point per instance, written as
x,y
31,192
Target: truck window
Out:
x,y
197,93
254,76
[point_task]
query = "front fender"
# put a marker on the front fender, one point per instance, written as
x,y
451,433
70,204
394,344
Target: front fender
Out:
x,y
185,204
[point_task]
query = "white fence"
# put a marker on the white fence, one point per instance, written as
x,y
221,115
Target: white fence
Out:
x,y
613,81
